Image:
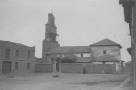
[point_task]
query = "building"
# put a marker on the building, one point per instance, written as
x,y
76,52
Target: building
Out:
x,y
81,53
107,52
106,47
129,17
103,52
50,41
16,58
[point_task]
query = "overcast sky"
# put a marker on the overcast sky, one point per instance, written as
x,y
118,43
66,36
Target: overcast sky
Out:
x,y
79,22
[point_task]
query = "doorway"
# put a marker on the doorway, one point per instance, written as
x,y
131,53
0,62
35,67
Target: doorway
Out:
x,y
6,66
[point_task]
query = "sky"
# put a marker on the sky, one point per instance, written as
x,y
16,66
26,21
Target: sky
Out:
x,y
79,22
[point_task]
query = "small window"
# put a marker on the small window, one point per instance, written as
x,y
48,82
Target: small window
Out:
x,y
78,55
104,52
87,55
28,54
7,53
28,65
17,53
82,55
16,65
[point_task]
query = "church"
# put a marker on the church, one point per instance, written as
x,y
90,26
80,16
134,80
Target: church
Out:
x,y
103,52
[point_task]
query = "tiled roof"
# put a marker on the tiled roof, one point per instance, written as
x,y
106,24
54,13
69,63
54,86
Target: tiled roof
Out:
x,y
12,43
71,49
106,42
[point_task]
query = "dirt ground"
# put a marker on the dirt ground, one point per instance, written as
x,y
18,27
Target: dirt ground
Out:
x,y
42,81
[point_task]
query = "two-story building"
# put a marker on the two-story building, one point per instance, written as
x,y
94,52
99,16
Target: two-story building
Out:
x,y
15,57
107,52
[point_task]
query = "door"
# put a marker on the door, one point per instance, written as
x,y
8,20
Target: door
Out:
x,y
6,67
57,66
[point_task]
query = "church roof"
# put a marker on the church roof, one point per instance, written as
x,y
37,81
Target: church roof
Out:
x,y
106,42
70,49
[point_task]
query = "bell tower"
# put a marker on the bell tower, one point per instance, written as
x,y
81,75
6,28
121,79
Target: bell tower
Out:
x,y
50,41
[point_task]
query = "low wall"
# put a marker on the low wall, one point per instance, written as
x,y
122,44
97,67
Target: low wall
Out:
x,y
87,68
101,68
71,68
47,68
77,68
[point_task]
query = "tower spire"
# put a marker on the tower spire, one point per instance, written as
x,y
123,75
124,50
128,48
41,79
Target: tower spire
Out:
x,y
51,19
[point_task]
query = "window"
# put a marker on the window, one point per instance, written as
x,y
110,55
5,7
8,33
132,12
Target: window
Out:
x,y
0,52
104,52
28,54
17,53
78,55
82,55
87,55
16,65
7,53
28,65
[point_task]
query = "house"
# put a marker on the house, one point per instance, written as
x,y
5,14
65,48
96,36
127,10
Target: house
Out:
x,y
16,58
108,52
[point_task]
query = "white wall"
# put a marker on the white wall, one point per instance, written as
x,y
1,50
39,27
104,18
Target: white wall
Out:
x,y
111,50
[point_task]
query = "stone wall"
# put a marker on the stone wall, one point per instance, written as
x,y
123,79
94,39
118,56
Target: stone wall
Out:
x,y
101,68
71,68
110,50
87,68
